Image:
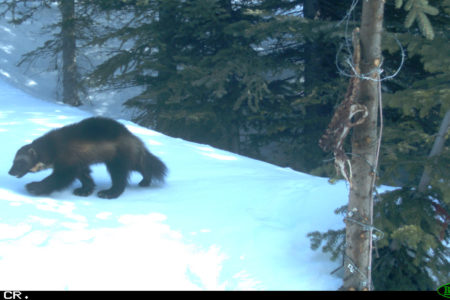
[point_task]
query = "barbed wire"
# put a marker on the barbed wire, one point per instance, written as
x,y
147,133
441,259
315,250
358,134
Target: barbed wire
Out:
x,y
378,70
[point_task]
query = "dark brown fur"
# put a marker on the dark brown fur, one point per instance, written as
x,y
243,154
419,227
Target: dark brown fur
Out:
x,y
70,151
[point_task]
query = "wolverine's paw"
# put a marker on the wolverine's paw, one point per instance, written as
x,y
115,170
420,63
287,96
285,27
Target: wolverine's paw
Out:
x,y
108,194
83,192
145,182
37,188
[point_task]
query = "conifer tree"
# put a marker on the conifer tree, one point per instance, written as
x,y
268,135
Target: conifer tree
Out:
x,y
415,219
69,65
412,221
64,42
200,66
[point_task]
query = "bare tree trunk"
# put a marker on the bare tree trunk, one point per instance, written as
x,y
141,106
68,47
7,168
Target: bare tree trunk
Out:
x,y
312,57
438,146
70,82
358,254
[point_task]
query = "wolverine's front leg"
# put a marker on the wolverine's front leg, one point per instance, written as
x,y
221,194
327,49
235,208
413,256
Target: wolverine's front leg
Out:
x,y
87,183
119,174
58,180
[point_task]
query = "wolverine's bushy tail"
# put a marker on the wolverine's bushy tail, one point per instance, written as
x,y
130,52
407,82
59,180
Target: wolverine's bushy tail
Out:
x,y
155,166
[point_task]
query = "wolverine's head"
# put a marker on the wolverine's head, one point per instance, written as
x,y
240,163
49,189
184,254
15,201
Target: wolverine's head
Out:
x,y
26,160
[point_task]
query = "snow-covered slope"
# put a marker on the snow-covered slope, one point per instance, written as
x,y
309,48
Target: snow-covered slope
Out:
x,y
221,221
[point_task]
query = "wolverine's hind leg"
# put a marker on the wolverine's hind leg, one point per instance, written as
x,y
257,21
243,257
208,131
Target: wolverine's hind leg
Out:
x,y
119,175
146,177
145,181
87,183
144,167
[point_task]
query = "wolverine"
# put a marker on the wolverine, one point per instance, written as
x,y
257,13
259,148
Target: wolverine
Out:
x,y
70,151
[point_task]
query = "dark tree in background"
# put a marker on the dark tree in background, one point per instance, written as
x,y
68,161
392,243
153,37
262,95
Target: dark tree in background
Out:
x,y
63,44
313,68
69,64
204,69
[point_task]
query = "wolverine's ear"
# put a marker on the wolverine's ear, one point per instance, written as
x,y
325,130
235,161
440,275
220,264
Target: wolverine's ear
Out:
x,y
32,152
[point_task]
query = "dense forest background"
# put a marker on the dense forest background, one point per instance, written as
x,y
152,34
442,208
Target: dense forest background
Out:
x,y
262,79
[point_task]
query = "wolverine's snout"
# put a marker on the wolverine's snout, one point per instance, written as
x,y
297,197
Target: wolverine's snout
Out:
x,y
16,173
19,168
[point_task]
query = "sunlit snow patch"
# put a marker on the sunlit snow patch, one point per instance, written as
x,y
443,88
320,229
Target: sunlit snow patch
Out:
x,y
220,156
31,83
4,73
